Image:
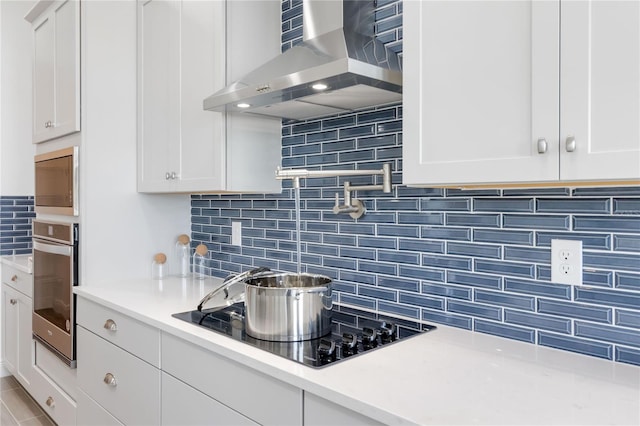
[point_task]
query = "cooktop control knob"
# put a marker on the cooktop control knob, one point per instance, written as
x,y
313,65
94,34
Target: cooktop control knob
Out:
x,y
349,344
387,332
369,338
327,350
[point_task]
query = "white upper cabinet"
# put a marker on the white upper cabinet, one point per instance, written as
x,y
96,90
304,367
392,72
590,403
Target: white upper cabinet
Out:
x,y
56,68
495,95
600,90
183,49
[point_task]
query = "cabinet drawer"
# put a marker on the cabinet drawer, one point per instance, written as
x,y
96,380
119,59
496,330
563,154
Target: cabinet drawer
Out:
x,y
19,280
133,336
185,406
53,400
319,412
90,413
133,396
263,399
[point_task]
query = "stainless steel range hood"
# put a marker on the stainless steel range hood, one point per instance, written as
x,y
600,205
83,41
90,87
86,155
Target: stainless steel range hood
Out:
x,y
339,51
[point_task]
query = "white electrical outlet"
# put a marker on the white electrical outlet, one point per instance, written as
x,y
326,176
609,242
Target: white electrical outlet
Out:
x,y
236,233
566,262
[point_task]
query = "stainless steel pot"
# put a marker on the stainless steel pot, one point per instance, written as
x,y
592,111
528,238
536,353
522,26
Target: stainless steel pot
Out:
x,y
287,307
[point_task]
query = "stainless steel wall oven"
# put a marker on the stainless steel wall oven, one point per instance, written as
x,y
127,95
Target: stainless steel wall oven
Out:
x,y
55,273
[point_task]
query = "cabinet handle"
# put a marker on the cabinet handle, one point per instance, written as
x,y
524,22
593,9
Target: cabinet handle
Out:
x,y
174,175
167,176
110,325
570,144
14,278
46,124
13,301
50,402
542,146
110,380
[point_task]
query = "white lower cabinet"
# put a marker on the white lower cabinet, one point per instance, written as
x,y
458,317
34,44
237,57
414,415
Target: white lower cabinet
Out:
x,y
261,398
183,405
52,398
125,385
320,412
17,341
90,413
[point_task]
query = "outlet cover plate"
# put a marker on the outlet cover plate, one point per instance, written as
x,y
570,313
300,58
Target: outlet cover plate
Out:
x,y
566,262
236,233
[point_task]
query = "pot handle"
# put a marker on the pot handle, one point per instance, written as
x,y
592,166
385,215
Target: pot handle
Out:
x,y
228,282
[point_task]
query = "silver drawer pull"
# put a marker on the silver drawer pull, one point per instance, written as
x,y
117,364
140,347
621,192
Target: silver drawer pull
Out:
x,y
570,144
51,402
110,380
542,146
14,278
110,325
13,301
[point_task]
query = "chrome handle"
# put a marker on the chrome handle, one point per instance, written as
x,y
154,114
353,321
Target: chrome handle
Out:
x,y
50,402
570,144
13,301
110,380
167,176
542,146
174,175
47,124
110,325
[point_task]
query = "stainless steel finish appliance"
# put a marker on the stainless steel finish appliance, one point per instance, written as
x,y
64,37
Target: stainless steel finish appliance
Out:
x,y
340,66
288,307
56,182
353,333
55,273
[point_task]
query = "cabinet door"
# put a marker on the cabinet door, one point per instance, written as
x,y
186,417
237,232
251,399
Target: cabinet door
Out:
x,y
43,78
483,79
318,412
158,94
56,71
17,343
183,405
10,328
202,65
67,68
600,97
25,341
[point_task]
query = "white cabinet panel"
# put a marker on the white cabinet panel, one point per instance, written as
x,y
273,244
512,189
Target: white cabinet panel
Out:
x,y
499,87
320,412
261,398
133,336
600,97
476,110
183,405
17,341
186,49
119,381
89,413
53,399
56,69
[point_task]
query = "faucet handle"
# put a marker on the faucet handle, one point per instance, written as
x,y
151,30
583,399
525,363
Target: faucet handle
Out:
x,y
336,206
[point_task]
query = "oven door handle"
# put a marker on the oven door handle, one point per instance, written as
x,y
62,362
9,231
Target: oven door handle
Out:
x,y
52,248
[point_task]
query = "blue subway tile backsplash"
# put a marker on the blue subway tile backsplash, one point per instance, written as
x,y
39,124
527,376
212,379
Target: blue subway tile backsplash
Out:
x,y
16,213
474,259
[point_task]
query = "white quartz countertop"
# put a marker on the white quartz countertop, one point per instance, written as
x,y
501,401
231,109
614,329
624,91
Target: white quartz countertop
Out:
x,y
21,262
447,376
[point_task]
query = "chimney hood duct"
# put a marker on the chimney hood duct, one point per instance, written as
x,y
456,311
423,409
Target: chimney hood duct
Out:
x,y
339,51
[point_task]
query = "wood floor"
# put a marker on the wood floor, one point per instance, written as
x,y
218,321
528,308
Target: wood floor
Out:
x,y
17,408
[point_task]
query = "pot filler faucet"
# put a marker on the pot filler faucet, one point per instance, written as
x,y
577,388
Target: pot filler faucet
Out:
x,y
353,206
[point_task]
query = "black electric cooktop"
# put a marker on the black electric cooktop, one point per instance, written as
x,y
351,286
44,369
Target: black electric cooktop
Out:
x,y
353,333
